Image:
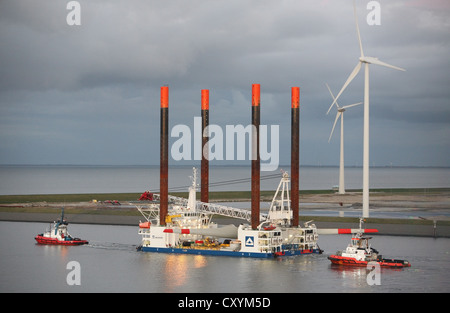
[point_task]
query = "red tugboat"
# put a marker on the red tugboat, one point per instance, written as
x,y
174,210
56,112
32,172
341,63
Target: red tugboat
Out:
x,y
58,235
360,253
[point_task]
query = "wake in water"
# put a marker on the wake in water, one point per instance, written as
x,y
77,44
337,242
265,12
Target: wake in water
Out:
x,y
112,246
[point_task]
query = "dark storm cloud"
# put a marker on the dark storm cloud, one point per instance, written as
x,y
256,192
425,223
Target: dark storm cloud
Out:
x,y
96,85
226,40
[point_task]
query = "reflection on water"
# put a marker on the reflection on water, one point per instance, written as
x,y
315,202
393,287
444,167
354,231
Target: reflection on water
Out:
x,y
351,277
110,263
54,251
200,261
175,271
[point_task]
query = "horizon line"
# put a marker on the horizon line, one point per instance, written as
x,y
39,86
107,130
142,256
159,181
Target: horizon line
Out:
x,y
280,167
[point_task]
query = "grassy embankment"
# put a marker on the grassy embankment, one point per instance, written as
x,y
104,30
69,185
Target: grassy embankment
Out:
x,y
213,196
39,203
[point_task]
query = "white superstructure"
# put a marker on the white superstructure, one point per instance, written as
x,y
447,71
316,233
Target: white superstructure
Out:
x,y
189,228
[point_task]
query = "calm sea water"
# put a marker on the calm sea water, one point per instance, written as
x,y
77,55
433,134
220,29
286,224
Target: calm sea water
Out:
x,y
117,179
110,263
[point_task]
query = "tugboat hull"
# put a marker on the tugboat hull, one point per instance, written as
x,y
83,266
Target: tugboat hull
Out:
x,y
347,261
54,241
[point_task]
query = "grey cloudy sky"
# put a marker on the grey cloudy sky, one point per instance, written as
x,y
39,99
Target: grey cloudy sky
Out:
x,y
89,94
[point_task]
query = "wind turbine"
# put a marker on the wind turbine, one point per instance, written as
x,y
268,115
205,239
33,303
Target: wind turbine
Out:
x,y
340,113
366,60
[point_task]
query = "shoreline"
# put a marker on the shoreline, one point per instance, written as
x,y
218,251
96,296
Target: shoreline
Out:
x,y
388,228
428,195
83,209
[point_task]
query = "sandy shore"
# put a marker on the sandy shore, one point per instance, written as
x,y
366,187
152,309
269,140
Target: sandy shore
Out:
x,y
427,200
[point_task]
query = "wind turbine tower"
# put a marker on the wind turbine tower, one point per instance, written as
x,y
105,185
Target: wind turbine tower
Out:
x,y
340,114
366,60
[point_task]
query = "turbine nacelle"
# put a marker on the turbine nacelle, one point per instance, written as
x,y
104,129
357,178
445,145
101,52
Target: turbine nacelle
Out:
x,y
365,59
340,110
373,60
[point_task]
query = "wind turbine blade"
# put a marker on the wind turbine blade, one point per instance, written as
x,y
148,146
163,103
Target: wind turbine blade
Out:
x,y
351,105
349,79
330,91
332,97
357,29
378,62
334,125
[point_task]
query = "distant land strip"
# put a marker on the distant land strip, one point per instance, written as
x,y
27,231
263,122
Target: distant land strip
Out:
x,y
215,196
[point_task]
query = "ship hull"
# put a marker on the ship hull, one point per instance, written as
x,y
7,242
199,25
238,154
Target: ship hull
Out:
x,y
53,241
222,252
348,261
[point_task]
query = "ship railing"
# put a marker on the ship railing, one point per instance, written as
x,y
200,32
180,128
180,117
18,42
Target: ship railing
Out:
x,y
224,210
149,212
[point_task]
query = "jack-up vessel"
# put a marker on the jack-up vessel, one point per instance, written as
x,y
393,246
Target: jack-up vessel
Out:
x,y
189,229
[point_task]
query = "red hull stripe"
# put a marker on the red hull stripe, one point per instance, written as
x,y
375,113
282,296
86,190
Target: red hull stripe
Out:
x,y
178,231
351,261
49,241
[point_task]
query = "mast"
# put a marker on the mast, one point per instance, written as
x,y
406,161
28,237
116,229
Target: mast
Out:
x,y
193,191
280,209
255,156
295,134
204,197
164,156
